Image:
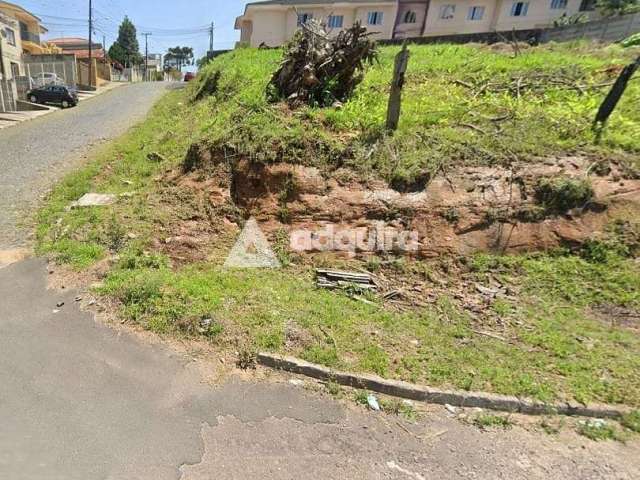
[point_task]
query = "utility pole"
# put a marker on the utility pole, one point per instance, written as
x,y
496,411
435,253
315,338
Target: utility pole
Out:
x,y
90,43
211,39
146,56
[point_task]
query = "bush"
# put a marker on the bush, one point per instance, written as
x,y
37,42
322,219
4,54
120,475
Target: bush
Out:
x,y
632,41
559,195
566,20
618,7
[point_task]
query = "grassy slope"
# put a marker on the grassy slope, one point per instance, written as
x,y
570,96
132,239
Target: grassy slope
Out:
x,y
442,120
557,350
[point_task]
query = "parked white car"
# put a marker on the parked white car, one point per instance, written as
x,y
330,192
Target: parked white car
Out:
x,y
46,78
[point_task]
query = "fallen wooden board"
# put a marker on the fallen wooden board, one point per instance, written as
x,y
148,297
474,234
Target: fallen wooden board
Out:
x,y
333,279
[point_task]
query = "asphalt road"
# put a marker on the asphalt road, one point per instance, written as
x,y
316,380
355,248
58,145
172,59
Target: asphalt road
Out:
x,y
33,154
81,400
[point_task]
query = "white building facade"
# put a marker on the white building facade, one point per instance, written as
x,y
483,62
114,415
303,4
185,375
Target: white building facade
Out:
x,y
273,22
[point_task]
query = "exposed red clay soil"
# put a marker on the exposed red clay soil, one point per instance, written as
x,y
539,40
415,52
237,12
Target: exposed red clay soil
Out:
x,y
473,209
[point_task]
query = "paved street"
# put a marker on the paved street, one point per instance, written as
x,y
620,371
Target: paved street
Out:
x,y
35,153
82,400
79,400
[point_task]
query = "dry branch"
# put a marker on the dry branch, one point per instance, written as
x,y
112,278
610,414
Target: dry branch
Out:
x,y
537,82
319,70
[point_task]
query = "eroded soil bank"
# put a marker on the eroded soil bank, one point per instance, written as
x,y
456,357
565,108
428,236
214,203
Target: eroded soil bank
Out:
x,y
529,207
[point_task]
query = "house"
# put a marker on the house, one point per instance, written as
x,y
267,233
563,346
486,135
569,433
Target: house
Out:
x,y
154,63
79,47
20,33
273,22
10,48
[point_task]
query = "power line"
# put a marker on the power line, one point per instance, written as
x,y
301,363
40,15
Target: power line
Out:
x,y
54,17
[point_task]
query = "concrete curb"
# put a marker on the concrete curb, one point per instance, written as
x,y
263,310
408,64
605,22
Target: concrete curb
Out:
x,y
410,391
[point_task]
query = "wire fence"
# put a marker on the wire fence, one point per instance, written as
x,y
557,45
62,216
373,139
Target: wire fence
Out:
x,y
59,73
127,75
41,73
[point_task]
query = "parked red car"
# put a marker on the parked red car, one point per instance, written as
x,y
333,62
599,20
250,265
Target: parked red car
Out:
x,y
189,76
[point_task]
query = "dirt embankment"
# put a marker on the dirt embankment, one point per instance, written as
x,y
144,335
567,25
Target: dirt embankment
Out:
x,y
475,209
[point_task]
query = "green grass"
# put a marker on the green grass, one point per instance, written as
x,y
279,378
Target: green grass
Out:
x,y
399,407
488,421
598,430
632,421
449,116
561,353
556,349
82,236
559,195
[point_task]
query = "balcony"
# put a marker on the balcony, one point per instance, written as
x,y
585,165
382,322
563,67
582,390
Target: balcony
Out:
x,y
27,36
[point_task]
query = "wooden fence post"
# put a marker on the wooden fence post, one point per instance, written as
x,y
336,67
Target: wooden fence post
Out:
x,y
611,100
395,98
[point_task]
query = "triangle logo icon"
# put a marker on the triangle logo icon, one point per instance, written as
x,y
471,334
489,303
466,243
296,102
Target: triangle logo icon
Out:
x,y
252,250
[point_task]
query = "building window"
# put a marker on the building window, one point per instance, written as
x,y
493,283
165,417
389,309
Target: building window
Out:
x,y
475,13
520,9
588,5
11,36
304,18
447,12
375,18
335,21
410,17
15,69
558,4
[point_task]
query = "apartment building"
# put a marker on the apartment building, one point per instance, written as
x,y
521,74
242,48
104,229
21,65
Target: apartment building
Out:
x,y
273,22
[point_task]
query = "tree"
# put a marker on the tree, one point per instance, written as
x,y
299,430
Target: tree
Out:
x,y
178,57
618,7
126,49
201,62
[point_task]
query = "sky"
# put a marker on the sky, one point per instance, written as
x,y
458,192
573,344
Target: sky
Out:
x,y
170,22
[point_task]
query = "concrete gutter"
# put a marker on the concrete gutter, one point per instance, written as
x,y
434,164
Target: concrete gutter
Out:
x,y
463,399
